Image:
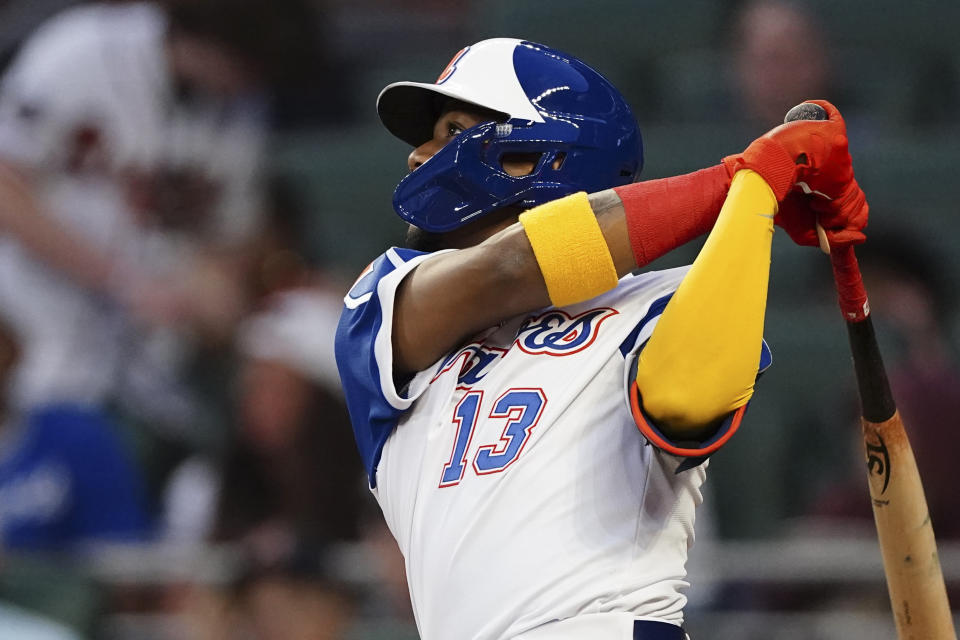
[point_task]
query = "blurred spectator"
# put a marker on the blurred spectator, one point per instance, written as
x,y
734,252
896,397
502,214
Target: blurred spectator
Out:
x,y
292,471
388,612
285,260
283,592
130,141
912,304
290,597
935,96
780,58
64,477
19,17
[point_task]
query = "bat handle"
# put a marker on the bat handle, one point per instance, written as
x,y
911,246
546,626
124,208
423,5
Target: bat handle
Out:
x,y
846,274
876,400
822,238
851,293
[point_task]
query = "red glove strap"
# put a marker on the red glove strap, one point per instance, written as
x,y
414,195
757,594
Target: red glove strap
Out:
x,y
667,213
774,164
851,293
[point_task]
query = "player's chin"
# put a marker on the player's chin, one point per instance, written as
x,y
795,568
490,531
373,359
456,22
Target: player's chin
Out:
x,y
420,240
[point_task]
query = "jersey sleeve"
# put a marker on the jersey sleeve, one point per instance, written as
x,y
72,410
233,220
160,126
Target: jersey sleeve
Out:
x,y
364,351
695,452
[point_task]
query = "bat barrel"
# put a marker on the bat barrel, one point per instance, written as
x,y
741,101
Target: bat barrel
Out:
x,y
918,595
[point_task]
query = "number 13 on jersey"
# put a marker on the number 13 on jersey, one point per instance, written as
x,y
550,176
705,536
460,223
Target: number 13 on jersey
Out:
x,y
520,408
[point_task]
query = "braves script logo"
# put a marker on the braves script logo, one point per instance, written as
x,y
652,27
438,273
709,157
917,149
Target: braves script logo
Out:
x,y
878,461
451,66
476,362
556,333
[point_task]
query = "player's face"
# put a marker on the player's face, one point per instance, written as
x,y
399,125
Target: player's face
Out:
x,y
447,127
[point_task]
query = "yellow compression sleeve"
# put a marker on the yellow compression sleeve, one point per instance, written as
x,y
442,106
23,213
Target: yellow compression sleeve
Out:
x,y
701,361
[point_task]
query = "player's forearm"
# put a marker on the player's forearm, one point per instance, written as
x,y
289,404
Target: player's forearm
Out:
x,y
702,359
22,218
663,214
612,219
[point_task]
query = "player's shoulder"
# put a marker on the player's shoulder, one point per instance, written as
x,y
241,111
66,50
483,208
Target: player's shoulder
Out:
x,y
395,261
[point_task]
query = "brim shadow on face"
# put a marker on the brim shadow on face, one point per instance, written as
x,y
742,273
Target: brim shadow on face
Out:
x,y
409,110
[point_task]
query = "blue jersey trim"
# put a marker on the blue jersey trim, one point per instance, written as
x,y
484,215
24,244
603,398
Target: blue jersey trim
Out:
x,y
656,308
364,354
766,358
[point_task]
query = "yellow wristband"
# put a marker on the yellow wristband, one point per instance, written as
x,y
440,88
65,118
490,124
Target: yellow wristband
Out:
x,y
573,256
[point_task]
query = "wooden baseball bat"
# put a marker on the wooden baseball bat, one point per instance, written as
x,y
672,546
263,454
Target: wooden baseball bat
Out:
x,y
915,583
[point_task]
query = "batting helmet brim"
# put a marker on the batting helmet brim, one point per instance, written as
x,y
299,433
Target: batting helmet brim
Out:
x,y
410,109
482,75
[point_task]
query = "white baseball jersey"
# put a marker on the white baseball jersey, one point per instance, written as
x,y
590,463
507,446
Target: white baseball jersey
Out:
x,y
88,106
512,473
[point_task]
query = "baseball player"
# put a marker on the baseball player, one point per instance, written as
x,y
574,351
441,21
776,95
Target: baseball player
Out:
x,y
534,415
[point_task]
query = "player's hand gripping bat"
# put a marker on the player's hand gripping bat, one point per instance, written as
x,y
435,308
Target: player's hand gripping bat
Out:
x,y
914,577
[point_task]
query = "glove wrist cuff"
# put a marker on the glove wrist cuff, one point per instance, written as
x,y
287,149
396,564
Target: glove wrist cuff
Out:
x,y
773,162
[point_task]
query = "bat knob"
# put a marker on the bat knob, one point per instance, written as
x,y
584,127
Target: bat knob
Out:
x,y
806,111
810,111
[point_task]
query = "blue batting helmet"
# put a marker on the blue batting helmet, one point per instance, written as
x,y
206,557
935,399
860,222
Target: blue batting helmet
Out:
x,y
550,104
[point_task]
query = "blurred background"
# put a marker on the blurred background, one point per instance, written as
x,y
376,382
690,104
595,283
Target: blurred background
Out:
x,y
187,189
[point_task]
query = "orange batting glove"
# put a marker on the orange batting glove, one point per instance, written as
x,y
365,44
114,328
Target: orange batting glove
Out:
x,y
811,155
843,218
